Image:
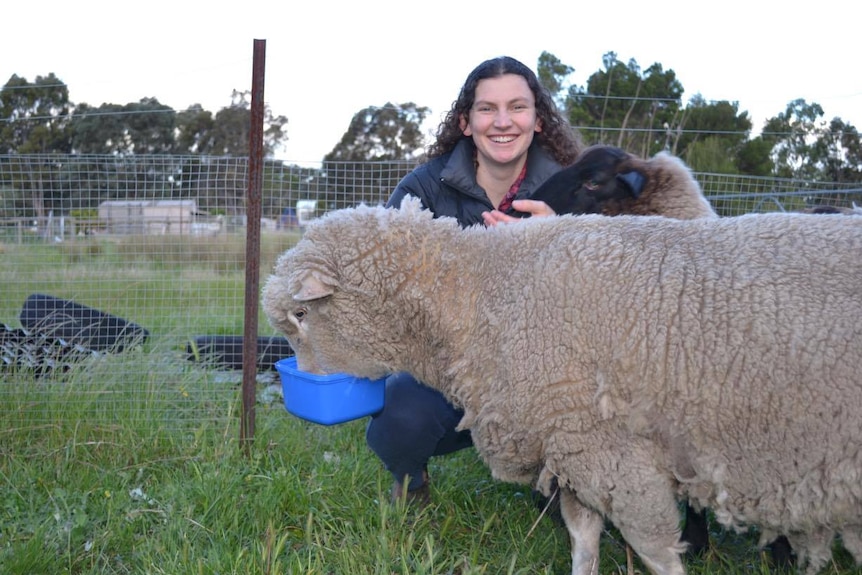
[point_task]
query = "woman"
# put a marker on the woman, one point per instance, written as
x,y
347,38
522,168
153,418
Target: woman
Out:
x,y
501,139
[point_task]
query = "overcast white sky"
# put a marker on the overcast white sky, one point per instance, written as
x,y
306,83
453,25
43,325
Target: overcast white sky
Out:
x,y
327,60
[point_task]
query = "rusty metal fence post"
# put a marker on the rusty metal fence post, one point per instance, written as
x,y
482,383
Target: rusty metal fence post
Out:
x,y
252,249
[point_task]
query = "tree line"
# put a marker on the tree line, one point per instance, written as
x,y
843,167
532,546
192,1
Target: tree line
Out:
x,y
640,110
38,118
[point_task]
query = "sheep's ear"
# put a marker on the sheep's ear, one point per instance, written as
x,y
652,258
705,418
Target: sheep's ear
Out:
x,y
314,286
634,181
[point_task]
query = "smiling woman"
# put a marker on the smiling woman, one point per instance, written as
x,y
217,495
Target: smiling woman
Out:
x,y
502,122
502,138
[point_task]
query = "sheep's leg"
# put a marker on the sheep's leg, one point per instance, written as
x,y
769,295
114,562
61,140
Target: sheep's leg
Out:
x,y
813,549
852,539
645,510
661,560
659,548
585,529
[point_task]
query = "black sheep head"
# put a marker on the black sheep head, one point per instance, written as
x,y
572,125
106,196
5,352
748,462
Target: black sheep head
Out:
x,y
601,174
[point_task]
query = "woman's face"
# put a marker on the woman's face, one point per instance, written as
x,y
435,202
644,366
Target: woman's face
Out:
x,y
503,119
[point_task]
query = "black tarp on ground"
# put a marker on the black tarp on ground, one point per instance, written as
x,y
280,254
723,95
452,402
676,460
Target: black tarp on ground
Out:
x,y
80,325
225,351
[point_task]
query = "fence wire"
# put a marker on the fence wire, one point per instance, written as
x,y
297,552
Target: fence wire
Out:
x,y
124,276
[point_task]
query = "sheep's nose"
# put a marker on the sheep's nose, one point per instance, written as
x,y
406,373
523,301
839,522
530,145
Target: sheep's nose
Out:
x,y
308,365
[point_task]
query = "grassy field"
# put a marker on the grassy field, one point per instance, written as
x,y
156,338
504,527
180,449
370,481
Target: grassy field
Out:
x,y
131,463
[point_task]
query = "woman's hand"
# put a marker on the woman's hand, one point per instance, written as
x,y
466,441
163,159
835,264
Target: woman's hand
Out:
x,y
535,208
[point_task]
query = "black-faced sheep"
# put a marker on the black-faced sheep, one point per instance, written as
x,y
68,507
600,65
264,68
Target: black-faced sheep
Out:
x,y
714,359
854,211
610,181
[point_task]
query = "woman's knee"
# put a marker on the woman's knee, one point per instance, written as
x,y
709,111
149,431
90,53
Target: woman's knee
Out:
x,y
412,412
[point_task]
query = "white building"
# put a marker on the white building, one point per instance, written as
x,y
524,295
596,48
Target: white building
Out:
x,y
148,216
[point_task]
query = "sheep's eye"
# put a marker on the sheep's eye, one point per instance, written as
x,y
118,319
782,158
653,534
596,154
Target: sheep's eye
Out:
x,y
300,313
592,185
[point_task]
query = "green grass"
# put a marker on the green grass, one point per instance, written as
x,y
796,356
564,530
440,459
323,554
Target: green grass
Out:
x,y
132,464
107,488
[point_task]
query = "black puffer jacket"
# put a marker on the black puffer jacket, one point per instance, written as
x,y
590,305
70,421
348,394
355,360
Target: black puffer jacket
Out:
x,y
447,185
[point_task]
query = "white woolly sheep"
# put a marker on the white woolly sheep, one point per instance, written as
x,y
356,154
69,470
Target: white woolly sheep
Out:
x,y
610,181
713,359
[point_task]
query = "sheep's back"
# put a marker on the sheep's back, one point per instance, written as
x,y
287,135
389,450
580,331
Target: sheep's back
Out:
x,y
741,335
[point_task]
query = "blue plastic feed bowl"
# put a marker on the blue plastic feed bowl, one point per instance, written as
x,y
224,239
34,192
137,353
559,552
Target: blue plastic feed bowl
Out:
x,y
328,399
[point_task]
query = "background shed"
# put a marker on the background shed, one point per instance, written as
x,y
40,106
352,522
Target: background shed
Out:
x,y
157,217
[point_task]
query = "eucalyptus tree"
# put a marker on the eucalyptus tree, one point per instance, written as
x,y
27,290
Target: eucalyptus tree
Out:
x,y
33,120
228,132
389,137
195,130
143,127
625,106
553,73
838,152
377,133
792,135
711,135
34,115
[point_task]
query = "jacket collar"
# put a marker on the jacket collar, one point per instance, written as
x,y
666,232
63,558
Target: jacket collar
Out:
x,y
460,173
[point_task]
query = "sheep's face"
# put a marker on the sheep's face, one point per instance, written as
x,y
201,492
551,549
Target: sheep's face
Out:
x,y
599,176
339,294
328,328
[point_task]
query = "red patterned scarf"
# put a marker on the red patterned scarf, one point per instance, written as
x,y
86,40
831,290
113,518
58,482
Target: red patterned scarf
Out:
x,y
510,195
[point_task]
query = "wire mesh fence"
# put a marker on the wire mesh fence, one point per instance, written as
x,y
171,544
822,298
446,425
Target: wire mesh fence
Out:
x,y
123,277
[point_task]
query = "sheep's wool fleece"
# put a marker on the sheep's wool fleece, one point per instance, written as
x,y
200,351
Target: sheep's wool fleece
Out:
x,y
728,348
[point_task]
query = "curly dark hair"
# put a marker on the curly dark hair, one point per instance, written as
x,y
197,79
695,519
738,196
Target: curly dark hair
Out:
x,y
557,136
